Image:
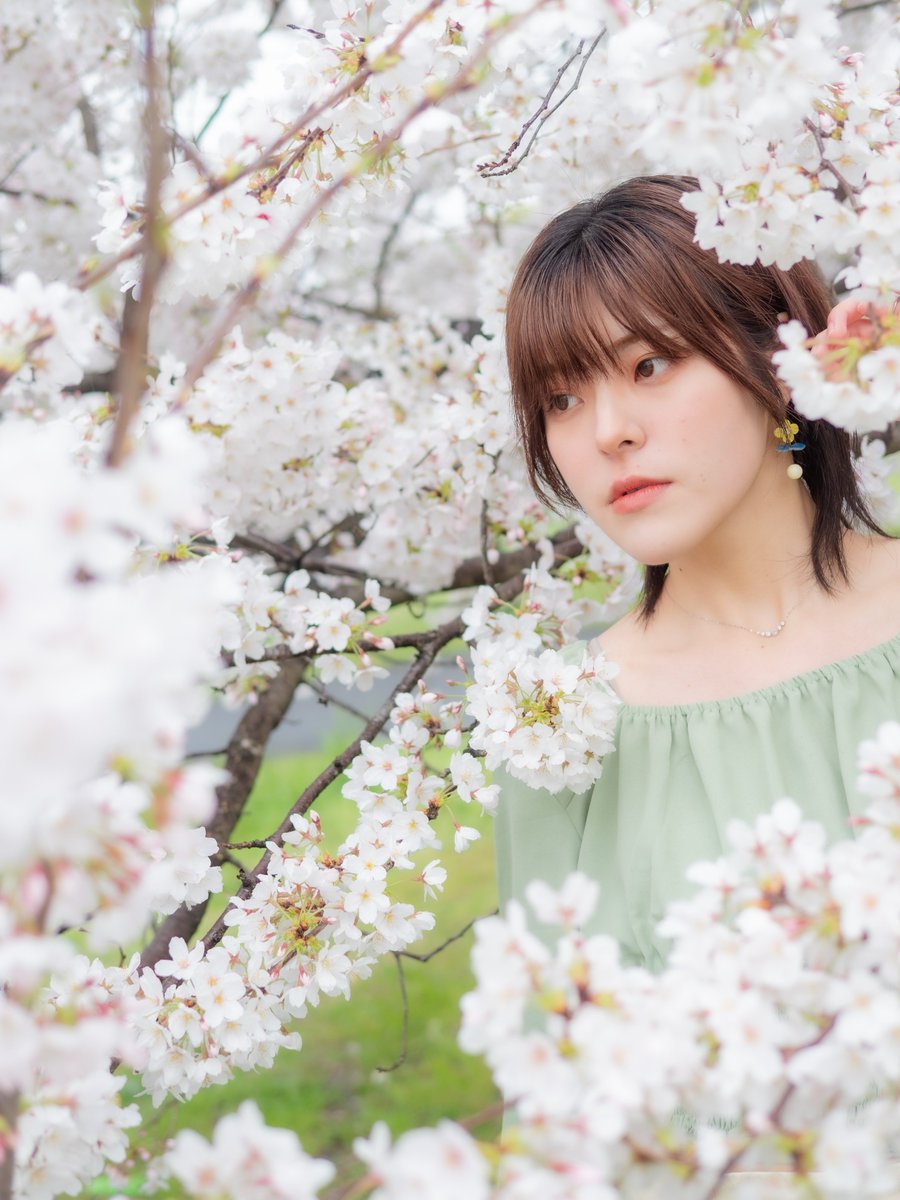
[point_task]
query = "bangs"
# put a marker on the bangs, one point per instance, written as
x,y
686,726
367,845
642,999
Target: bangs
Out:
x,y
556,336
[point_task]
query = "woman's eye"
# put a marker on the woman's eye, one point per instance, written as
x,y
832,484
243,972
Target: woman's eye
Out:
x,y
649,368
561,402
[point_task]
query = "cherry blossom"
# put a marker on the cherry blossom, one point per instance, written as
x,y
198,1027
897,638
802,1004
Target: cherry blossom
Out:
x,y
323,445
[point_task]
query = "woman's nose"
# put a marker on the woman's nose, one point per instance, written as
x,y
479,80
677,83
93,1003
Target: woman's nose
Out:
x,y
616,425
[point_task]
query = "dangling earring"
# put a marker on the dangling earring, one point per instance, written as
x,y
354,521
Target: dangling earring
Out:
x,y
786,433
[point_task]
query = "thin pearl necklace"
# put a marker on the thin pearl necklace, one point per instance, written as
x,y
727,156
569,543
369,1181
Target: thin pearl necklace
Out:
x,y
764,633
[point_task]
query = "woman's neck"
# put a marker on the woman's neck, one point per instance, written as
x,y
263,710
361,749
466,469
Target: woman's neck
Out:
x,y
753,571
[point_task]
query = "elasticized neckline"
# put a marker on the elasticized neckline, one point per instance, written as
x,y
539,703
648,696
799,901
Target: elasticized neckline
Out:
x,y
805,681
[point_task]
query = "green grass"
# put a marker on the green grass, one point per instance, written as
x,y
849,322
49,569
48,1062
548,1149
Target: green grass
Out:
x,y
331,1090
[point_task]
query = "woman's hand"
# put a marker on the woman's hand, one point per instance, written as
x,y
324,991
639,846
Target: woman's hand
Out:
x,y
855,319
852,318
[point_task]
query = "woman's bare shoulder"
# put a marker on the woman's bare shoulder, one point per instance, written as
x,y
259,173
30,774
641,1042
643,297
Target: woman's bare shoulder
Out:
x,y
623,640
875,565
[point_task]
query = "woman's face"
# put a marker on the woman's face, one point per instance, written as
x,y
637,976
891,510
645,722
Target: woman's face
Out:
x,y
667,457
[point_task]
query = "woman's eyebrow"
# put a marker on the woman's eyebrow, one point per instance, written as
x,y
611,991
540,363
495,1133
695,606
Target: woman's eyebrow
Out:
x,y
622,343
635,339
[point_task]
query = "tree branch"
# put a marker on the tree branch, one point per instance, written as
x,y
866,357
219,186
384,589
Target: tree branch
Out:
x,y
428,651
470,572
243,761
89,126
282,553
463,81
356,310
9,1116
131,369
486,565
97,381
268,156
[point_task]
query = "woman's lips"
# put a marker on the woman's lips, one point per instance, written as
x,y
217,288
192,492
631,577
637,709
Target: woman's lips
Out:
x,y
639,497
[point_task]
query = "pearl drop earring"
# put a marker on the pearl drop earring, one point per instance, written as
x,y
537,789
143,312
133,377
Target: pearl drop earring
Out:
x,y
786,433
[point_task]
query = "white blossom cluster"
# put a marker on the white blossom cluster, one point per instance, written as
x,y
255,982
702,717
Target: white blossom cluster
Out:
x,y
769,1041
546,614
852,385
103,666
246,1160
873,471
774,1029
313,923
359,420
418,476
602,561
47,338
549,721
790,199
93,728
71,1133
545,715
283,615
216,244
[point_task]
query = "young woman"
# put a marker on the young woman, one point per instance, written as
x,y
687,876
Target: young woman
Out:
x,y
767,642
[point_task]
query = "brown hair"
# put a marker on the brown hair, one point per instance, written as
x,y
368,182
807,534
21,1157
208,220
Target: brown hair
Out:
x,y
631,251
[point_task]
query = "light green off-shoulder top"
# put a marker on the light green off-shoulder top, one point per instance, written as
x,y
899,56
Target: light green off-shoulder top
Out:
x,y
680,773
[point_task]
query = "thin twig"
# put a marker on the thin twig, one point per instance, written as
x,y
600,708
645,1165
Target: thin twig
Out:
x,y
775,1114
347,524
192,153
386,246
277,5
23,193
326,698
398,956
193,754
846,190
326,566
542,115
470,572
356,1187
297,153
23,157
846,12
404,1027
487,1114
454,937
